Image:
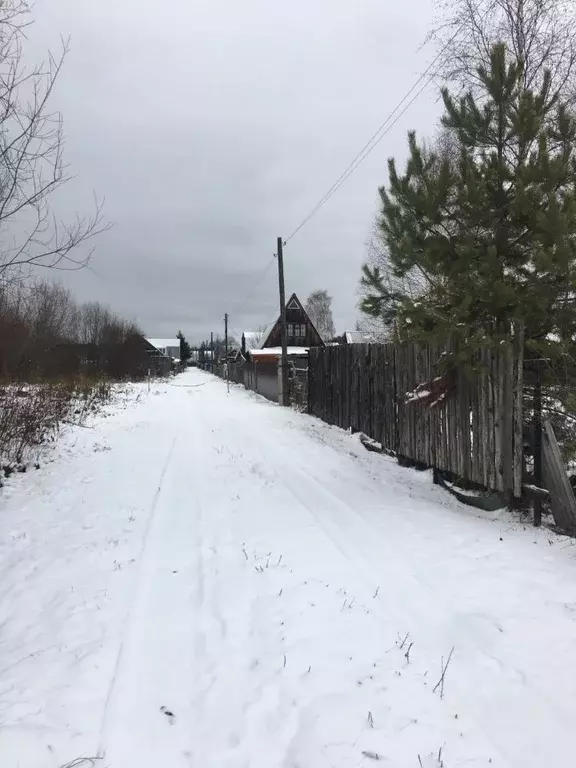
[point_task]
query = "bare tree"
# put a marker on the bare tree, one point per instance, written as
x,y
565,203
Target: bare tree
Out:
x,y
541,33
52,313
43,331
95,318
378,271
14,331
255,339
375,328
319,309
32,167
414,284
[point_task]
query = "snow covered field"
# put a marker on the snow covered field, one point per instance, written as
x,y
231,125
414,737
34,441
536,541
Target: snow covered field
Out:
x,y
208,580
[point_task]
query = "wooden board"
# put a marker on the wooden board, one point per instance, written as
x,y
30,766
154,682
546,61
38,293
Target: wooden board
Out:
x,y
557,482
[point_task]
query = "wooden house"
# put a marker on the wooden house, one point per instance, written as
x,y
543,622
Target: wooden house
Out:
x,y
300,335
262,350
300,331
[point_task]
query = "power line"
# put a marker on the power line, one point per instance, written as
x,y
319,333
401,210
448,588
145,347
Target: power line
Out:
x,y
377,137
344,178
403,105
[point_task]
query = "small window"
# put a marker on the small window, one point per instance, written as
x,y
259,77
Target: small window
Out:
x,y
291,330
303,331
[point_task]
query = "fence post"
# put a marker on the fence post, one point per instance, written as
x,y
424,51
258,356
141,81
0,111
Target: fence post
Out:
x,y
310,382
537,444
518,471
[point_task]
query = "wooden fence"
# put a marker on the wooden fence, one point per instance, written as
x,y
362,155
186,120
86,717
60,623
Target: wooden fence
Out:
x,y
467,423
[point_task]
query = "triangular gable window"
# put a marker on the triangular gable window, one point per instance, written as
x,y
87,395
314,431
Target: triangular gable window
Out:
x,y
292,304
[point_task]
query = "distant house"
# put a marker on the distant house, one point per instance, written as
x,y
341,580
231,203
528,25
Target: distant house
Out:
x,y
300,331
300,336
132,357
168,347
253,340
262,349
358,337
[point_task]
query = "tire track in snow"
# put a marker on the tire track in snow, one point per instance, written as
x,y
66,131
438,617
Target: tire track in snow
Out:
x,y
270,710
444,620
130,613
357,540
235,693
349,530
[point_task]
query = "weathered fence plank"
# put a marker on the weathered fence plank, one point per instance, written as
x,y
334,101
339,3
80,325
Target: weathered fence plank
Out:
x,y
472,429
557,482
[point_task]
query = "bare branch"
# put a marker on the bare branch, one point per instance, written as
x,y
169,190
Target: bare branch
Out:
x,y
541,33
32,166
440,683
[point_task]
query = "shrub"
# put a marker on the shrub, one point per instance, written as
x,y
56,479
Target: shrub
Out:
x,y
32,415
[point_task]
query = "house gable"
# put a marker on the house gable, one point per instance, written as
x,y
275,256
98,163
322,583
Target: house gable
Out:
x,y
167,347
300,329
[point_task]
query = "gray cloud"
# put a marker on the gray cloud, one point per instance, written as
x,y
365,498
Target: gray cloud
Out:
x,y
211,127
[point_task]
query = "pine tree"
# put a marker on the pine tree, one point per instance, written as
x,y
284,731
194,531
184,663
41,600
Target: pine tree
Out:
x,y
185,348
492,231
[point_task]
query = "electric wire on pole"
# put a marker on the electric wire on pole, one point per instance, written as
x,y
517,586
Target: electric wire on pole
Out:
x,y
284,399
399,110
391,120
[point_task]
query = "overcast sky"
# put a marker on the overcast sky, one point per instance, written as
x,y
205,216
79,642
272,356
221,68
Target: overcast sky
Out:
x,y
213,126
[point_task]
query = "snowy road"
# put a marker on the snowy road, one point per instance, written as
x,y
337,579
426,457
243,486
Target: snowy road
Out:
x,y
208,580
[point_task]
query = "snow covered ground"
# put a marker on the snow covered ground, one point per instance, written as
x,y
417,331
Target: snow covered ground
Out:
x,y
204,579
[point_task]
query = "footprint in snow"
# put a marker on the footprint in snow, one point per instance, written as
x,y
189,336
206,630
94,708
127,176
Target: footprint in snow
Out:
x,y
170,715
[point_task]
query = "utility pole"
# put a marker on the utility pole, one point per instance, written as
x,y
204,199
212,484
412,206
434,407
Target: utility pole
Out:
x,y
226,358
284,360
212,351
